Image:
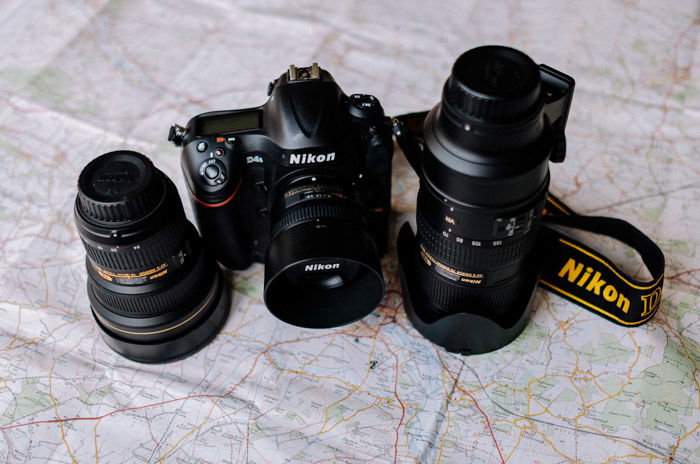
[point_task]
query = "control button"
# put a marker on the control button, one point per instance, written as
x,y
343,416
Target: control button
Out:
x,y
211,171
201,146
508,227
559,151
219,152
363,101
262,212
365,106
231,141
260,186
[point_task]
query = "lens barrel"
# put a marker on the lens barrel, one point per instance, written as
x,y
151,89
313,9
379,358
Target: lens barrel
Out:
x,y
322,267
470,273
153,290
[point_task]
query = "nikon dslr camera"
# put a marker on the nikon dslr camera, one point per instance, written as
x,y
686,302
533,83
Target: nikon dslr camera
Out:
x,y
302,184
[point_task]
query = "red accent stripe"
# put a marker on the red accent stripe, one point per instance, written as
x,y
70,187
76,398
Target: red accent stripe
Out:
x,y
216,205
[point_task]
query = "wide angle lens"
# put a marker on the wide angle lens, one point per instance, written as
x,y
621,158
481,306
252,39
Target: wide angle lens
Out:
x,y
322,266
153,290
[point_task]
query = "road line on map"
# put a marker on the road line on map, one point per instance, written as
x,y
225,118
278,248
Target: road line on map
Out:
x,y
579,429
476,403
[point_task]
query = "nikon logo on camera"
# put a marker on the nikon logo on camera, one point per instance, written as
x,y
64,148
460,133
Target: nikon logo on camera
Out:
x,y
308,158
321,267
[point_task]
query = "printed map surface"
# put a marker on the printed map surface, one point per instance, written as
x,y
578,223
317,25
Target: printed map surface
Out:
x,y
78,79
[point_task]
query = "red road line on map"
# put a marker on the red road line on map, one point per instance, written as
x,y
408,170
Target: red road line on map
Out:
x,y
73,419
144,406
403,406
150,405
476,403
689,271
675,277
390,319
488,423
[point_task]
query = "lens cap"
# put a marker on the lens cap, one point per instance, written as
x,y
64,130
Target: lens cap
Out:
x,y
322,274
493,84
119,186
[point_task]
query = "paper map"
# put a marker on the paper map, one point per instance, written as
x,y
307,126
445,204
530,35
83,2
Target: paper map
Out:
x,y
78,79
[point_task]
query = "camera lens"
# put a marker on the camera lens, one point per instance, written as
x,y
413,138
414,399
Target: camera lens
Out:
x,y
484,183
153,290
322,267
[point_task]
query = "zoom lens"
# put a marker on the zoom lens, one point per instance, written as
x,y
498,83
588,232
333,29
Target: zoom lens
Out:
x,y
154,292
471,271
322,267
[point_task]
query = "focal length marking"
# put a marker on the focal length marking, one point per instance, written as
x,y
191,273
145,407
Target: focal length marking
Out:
x,y
309,158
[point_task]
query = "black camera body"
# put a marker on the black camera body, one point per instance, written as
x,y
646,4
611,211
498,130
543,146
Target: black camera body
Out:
x,y
310,159
307,129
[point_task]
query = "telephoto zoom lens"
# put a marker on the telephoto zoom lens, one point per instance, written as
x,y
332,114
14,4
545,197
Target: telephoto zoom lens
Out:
x,y
484,182
156,295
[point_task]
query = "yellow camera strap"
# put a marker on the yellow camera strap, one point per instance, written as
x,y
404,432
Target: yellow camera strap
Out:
x,y
571,269
588,278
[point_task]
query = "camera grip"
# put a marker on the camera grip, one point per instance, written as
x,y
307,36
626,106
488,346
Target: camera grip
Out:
x,y
223,235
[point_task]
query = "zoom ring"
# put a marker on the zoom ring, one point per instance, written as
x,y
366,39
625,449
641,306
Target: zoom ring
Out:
x,y
317,209
192,282
448,298
150,253
473,257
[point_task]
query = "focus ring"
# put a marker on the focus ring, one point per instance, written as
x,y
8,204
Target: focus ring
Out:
x,y
472,257
155,303
315,210
449,298
151,252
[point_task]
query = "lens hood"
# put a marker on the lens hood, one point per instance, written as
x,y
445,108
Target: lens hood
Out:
x,y
322,274
465,332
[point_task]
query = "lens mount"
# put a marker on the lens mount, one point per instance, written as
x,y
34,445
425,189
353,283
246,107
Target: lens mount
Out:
x,y
322,273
